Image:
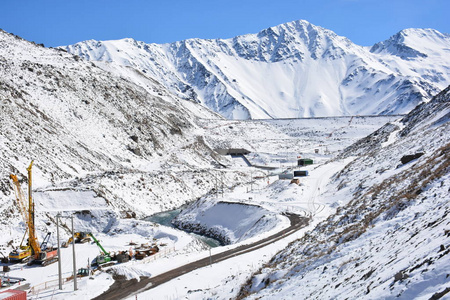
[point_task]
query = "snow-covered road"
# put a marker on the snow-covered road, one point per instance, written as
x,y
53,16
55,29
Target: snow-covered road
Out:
x,y
126,288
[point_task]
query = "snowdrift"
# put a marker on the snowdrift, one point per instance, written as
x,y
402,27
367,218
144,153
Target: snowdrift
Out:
x,y
227,222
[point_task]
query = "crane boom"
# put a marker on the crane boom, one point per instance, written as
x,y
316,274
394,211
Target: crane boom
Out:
x,y
20,198
98,244
24,251
31,226
104,256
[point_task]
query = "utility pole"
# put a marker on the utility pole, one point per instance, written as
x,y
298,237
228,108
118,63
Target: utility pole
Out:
x,y
210,258
251,180
58,216
221,179
59,252
74,262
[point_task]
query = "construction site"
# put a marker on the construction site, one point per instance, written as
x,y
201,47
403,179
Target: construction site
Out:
x,y
32,252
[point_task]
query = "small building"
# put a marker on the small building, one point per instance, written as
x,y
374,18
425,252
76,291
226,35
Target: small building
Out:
x,y
232,151
305,161
300,173
286,176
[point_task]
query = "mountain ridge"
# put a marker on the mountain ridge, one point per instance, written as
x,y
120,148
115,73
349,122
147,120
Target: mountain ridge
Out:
x,y
406,39
294,69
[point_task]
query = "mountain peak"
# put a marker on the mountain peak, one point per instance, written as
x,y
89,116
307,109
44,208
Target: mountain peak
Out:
x,y
302,28
413,43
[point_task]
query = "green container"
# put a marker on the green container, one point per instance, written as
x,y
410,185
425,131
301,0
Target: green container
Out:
x,y
305,161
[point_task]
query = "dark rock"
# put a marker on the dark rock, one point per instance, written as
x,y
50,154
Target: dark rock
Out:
x,y
407,158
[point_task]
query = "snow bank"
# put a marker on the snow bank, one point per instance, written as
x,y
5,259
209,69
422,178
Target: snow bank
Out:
x,y
226,221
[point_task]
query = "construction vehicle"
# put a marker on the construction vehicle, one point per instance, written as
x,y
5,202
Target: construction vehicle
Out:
x,y
4,258
82,272
104,256
33,252
47,255
23,252
79,237
42,254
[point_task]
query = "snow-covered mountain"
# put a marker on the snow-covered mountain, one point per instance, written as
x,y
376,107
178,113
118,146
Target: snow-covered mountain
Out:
x,y
112,145
389,237
295,69
87,129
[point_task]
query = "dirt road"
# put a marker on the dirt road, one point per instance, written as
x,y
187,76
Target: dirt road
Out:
x,y
123,288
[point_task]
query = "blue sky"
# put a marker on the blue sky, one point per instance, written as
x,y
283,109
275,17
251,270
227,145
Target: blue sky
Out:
x,y
63,22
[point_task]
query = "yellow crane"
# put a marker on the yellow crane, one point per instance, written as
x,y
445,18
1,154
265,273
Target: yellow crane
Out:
x,y
33,249
24,251
31,227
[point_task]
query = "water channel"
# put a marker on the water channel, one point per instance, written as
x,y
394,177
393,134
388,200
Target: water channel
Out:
x,y
165,218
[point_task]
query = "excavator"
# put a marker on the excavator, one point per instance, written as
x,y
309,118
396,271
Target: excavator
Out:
x,y
104,256
32,252
79,237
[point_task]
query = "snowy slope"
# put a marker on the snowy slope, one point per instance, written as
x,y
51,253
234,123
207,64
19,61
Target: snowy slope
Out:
x,y
249,209
295,69
105,151
111,149
95,134
389,235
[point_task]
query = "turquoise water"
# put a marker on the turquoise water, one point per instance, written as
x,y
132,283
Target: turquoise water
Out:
x,y
207,240
165,218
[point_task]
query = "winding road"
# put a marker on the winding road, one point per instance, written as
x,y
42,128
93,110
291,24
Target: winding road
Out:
x,y
123,288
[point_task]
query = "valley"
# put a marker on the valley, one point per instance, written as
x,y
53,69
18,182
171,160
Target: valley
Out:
x,y
349,200
275,143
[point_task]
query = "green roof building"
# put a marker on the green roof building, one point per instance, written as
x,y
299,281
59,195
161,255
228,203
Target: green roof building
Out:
x,y
305,161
